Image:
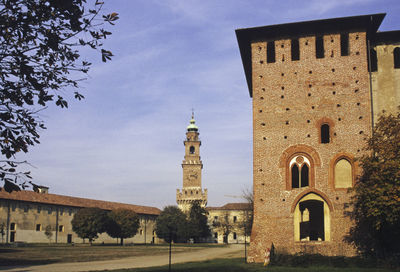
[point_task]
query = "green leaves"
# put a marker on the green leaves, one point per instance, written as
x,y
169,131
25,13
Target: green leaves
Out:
x,y
122,224
376,197
106,55
39,45
87,223
172,224
111,17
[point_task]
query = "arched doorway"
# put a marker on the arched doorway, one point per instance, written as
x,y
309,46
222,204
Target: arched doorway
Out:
x,y
312,219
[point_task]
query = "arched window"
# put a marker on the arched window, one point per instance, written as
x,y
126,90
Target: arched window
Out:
x,y
295,176
312,219
325,134
299,169
396,56
343,174
191,150
304,175
306,160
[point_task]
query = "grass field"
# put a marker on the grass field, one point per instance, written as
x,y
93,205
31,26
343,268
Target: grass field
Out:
x,y
238,265
45,254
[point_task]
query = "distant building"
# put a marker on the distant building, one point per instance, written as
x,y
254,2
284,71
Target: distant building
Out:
x,y
230,223
26,214
317,88
191,166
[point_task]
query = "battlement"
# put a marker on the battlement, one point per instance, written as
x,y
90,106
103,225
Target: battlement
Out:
x,y
304,40
187,196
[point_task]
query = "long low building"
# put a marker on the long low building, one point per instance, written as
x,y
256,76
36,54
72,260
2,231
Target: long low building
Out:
x,y
25,215
230,223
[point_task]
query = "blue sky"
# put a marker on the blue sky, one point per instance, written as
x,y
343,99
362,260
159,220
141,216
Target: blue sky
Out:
x,y
124,142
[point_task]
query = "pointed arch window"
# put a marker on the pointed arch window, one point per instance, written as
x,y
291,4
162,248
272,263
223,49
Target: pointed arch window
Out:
x,y
299,169
295,176
343,174
191,150
342,171
312,219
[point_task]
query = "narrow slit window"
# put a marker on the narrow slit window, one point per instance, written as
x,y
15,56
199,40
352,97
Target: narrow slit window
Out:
x,y
325,134
373,61
319,47
295,176
271,52
344,44
396,56
295,49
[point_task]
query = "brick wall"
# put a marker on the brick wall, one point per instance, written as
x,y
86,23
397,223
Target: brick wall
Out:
x,y
291,99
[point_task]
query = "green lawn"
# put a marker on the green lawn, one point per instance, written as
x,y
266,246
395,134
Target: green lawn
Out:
x,y
238,265
61,253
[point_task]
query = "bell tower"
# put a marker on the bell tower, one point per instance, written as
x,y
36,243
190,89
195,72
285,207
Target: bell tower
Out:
x,y
191,167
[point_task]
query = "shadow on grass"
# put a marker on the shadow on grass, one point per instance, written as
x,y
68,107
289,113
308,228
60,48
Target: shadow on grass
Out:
x,y
238,265
22,262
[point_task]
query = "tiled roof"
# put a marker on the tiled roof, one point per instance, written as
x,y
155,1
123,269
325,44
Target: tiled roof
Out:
x,y
30,196
232,206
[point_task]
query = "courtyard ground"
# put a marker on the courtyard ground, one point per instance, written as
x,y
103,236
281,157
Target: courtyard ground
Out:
x,y
141,256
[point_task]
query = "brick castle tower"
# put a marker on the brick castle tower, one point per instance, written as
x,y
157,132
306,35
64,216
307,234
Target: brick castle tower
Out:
x,y
191,166
312,109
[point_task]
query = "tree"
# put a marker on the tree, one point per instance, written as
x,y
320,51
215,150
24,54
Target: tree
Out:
x,y
2,231
40,59
197,222
172,225
48,232
123,224
247,194
376,199
87,223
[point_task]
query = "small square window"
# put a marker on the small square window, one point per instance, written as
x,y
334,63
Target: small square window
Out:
x,y
38,227
60,228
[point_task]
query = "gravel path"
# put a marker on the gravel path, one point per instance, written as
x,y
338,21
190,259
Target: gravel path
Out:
x,y
231,251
